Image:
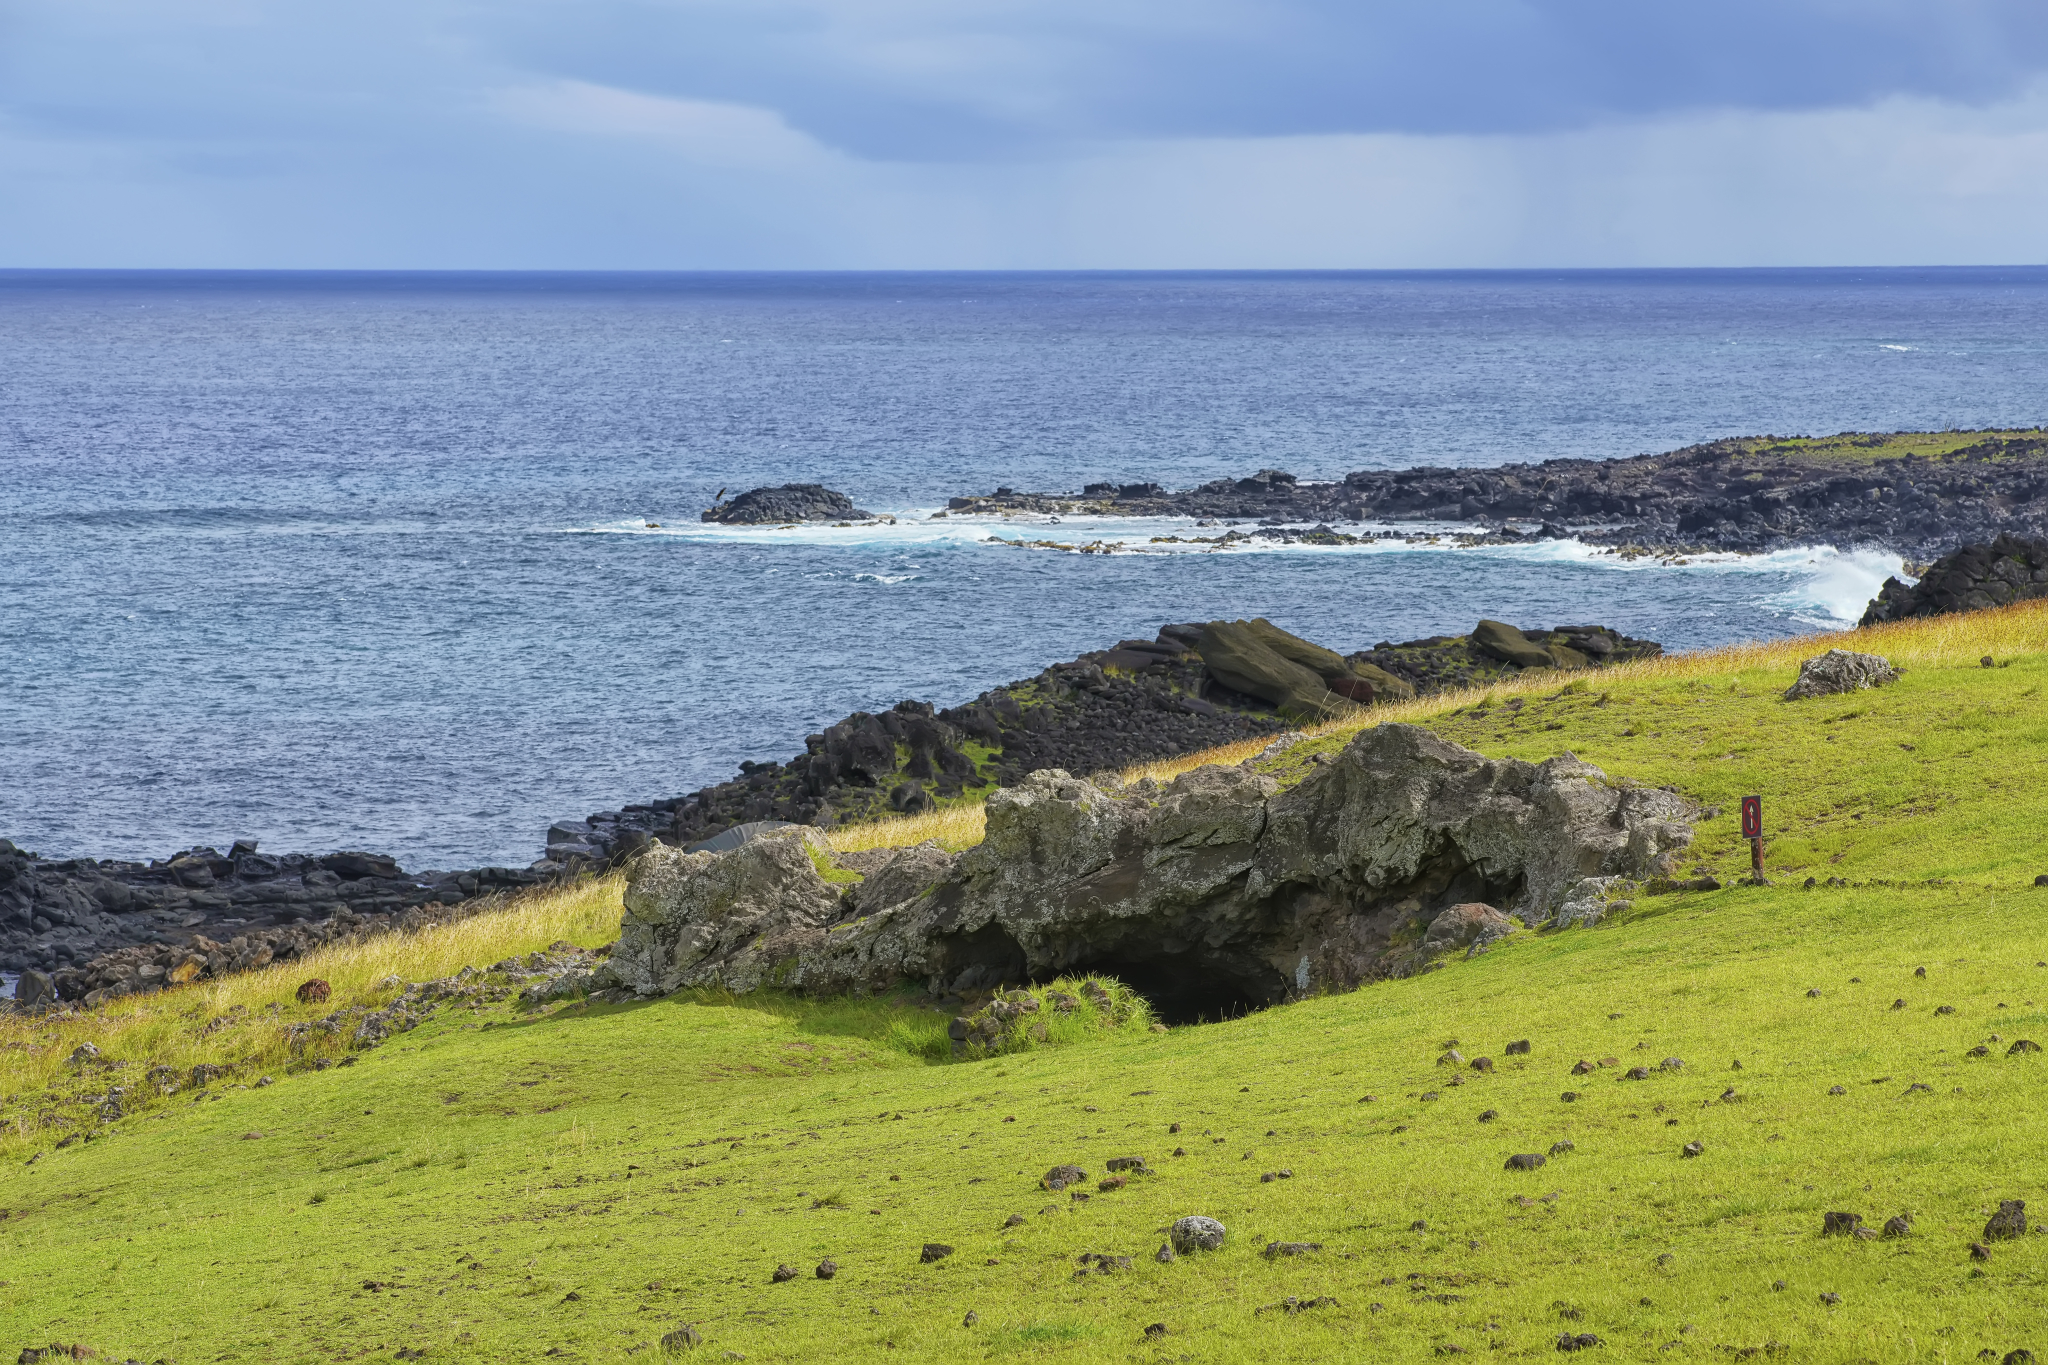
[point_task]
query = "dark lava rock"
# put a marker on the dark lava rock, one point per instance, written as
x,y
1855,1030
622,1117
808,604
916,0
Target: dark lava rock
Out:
x,y
2009,1221
791,502
682,1339
1583,1068
1582,1341
1560,1147
1840,1224
1157,1329
2024,1045
934,1251
1518,1048
1525,1161
1059,1177
314,992
1133,1164
783,1273
1015,1220
1744,494
1979,1252
2009,569
1165,1254
1638,1073
827,1268
1693,1149
1898,1225
1831,1299
971,1319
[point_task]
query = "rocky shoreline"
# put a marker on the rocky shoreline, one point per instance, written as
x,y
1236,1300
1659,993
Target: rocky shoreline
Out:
x,y
84,925
1918,494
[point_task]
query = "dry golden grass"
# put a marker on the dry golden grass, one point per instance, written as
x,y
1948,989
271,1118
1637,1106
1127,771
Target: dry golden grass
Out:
x,y
166,1027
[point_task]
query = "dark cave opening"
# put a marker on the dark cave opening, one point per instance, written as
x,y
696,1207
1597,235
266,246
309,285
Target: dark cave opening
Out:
x,y
1189,988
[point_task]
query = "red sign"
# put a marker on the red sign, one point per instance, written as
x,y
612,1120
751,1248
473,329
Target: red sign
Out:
x,y
1752,817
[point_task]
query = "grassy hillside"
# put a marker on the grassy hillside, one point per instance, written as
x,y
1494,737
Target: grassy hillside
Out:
x,y
1855,447
577,1183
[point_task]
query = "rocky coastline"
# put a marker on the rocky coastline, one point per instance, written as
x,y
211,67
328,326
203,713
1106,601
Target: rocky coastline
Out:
x,y
86,925
1918,494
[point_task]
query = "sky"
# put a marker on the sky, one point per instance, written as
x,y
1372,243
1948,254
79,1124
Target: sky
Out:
x,y
1001,134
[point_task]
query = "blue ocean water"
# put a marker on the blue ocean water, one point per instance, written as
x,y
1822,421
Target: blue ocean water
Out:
x,y
364,561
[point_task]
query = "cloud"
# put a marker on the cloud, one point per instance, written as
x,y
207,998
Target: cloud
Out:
x,y
704,132
996,133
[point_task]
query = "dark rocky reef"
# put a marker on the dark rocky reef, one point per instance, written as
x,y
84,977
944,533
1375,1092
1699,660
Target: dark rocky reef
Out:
x,y
1195,686
789,503
1915,494
2009,569
233,911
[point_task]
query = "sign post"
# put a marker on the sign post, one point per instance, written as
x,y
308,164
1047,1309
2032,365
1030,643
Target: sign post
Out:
x,y
1753,830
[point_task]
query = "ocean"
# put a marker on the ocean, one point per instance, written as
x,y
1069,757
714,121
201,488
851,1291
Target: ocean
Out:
x,y
411,563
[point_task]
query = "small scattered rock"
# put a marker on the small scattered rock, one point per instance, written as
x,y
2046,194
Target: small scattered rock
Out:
x,y
1525,1161
1583,1068
1059,1177
1838,1090
1831,1299
1638,1073
1898,1004
1694,1149
1111,1182
1570,1097
2022,1046
828,1267
1518,1048
313,992
1898,1225
971,1318
1157,1329
2009,1221
1483,1065
1979,1252
1488,1115
682,1339
1015,1220
1944,1009
1920,972
1582,1341
1165,1254
934,1251
1840,1224
1561,1146
1672,1064
1419,1225
783,1273
1291,1248
1196,1233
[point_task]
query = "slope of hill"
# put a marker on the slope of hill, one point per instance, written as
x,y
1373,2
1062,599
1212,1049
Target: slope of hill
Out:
x,y
579,1181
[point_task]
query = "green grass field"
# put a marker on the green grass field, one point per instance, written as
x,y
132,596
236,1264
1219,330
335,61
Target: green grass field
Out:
x,y
574,1184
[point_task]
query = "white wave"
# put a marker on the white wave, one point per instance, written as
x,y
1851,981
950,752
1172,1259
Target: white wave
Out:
x,y
1887,346
1829,588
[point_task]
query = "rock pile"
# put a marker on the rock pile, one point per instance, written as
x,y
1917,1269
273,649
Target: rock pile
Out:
x,y
790,503
1211,894
2009,569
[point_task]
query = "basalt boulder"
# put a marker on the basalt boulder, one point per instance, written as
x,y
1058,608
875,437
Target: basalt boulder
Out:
x,y
791,502
1213,893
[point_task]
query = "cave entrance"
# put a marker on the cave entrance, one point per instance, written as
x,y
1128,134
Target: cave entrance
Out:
x,y
1186,988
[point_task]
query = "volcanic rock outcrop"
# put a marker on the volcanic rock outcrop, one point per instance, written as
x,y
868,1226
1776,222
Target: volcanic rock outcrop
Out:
x,y
1212,893
790,503
1194,687
1918,495
226,912
2009,569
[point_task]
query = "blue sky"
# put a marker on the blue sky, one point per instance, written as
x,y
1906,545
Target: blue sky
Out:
x,y
986,133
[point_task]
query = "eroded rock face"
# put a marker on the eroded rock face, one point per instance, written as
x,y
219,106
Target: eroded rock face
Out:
x,y
1212,893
